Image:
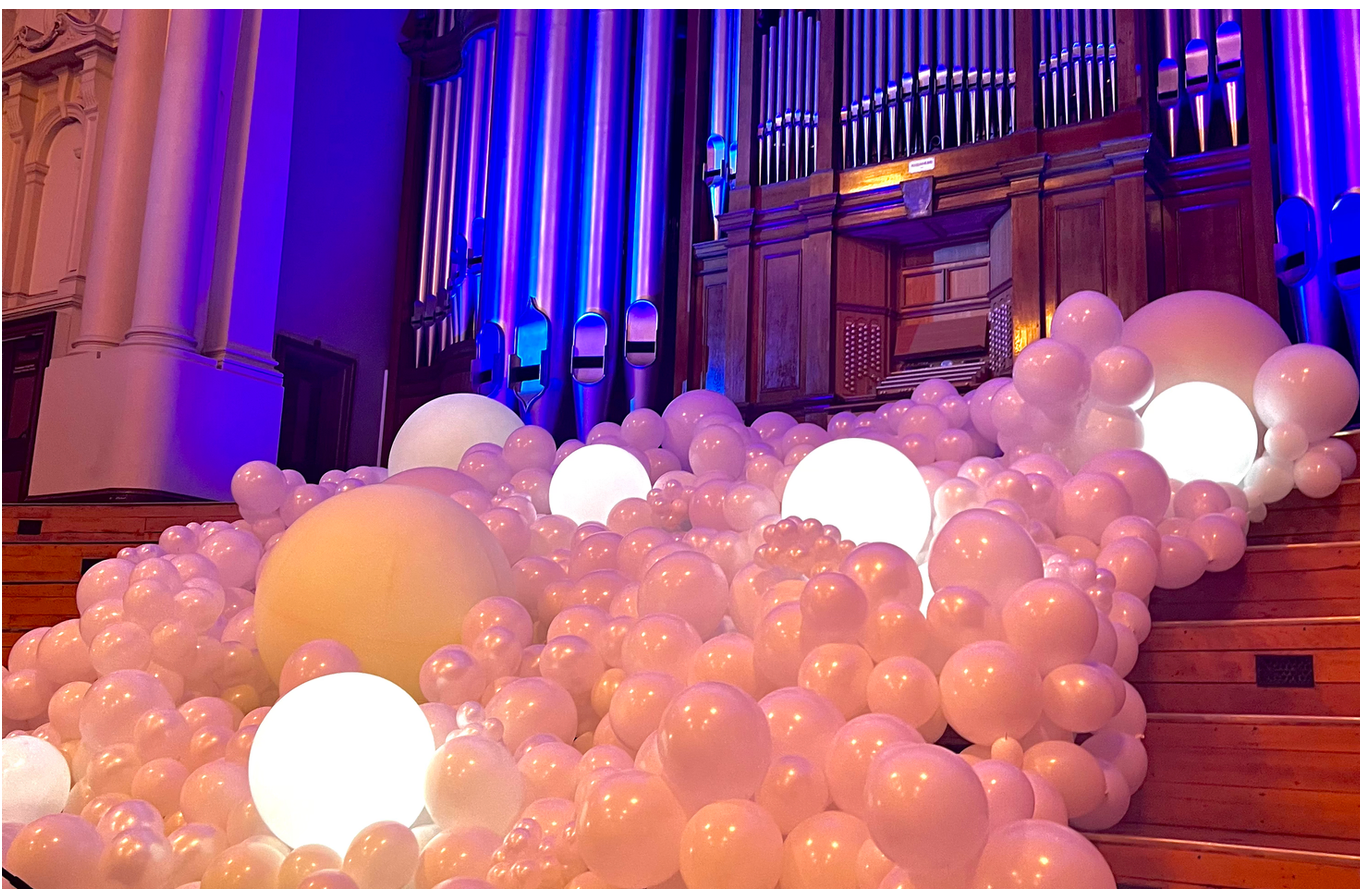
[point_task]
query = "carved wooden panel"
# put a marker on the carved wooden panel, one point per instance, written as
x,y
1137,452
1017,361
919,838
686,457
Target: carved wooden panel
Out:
x,y
781,304
714,346
1080,234
1208,241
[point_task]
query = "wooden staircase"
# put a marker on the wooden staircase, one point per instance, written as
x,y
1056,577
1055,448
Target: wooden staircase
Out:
x,y
1252,683
48,547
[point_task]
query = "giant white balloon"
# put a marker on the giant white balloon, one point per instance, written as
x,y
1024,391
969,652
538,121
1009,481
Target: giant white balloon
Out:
x,y
595,478
1200,431
36,779
336,754
865,488
439,432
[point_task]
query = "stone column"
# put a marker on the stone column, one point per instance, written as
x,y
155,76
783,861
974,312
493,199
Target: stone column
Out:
x,y
111,279
165,309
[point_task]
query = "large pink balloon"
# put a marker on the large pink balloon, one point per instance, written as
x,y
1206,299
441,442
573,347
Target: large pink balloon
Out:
x,y
801,723
683,414
713,743
1143,477
853,750
1050,621
1205,336
989,690
1040,854
688,584
985,551
629,829
925,807
1310,385
733,844
1088,502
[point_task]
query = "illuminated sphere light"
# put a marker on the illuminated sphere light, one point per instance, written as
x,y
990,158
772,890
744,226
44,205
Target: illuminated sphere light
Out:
x,y
1204,336
388,571
439,432
336,754
595,478
36,779
1200,431
866,489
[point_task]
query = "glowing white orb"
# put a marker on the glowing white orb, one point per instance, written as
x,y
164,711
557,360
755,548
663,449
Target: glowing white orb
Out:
x,y
439,432
36,779
336,754
595,478
865,488
1200,431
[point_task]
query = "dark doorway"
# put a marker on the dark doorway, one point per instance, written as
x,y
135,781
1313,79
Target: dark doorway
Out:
x,y
27,349
318,394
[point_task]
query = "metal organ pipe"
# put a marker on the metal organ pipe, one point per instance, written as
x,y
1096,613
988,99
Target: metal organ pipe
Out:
x,y
1298,221
647,240
505,277
1169,74
599,291
1197,71
552,225
1228,62
469,184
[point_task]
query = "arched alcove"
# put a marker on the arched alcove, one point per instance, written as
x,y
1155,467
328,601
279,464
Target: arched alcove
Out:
x,y
56,236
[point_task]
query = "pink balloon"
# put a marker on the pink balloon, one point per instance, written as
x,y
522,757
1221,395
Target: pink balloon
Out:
x,y
895,628
1180,563
984,551
989,690
840,673
1142,476
629,829
834,608
528,706
1050,621
661,642
794,789
1072,771
822,852
731,844
904,687
714,743
1134,564
853,748
1046,855
637,706
1088,502
778,646
689,585
925,807
727,658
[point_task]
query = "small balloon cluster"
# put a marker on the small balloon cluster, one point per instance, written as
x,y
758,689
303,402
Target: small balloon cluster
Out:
x,y
693,688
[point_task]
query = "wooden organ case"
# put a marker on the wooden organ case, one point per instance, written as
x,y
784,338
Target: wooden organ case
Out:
x,y
873,197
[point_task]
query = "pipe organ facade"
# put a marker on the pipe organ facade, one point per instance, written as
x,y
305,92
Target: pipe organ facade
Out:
x,y
806,208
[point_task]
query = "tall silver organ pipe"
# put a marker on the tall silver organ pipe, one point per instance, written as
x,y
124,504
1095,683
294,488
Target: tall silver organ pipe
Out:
x,y
1076,57
786,122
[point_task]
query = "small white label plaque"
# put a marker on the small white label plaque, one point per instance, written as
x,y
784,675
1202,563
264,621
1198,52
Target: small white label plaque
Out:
x,y
921,165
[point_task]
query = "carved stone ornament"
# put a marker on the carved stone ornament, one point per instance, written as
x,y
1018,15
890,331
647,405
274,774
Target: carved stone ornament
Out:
x,y
41,31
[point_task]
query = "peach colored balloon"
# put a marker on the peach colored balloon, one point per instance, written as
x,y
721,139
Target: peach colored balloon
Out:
x,y
895,629
925,807
1072,771
904,687
382,856
452,676
834,608
251,864
732,844
328,879
660,642
498,611
853,749
324,656
126,815
714,743
159,782
801,722
1080,697
629,829
1041,855
794,789
211,793
1048,802
871,866
634,548
552,814
840,673
573,663
549,770
304,861
56,851
1050,621
778,645
749,585
689,585
989,690
529,706
823,852
113,704
637,706
1010,796
985,551
138,857
884,572
465,852
112,769
193,847
727,658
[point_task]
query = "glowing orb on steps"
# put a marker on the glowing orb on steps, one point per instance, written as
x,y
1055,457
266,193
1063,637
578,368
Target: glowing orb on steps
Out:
x,y
439,432
336,754
866,489
1200,431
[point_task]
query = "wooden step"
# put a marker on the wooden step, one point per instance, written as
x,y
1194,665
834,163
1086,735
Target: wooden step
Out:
x,y
1297,518
1294,775
62,562
1211,666
1272,581
1166,857
131,523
